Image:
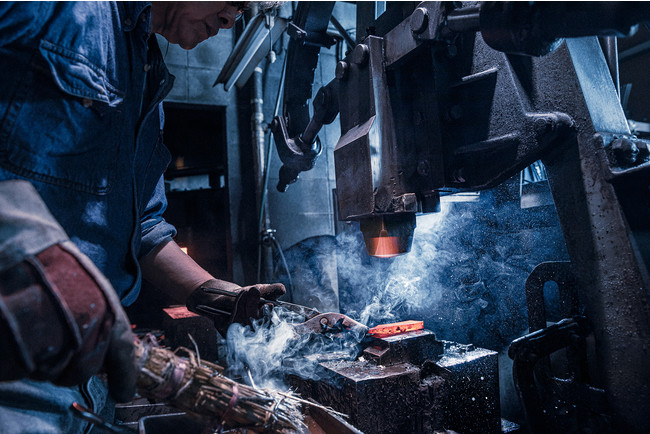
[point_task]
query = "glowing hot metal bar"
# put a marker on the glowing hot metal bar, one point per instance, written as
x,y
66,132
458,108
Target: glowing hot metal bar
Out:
x,y
385,330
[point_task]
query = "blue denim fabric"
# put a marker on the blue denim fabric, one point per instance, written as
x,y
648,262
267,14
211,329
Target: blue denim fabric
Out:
x,y
41,408
74,122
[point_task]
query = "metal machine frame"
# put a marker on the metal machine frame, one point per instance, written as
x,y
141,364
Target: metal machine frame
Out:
x,y
450,98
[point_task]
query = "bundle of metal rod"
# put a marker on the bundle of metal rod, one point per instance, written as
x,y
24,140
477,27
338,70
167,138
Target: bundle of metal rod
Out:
x,y
197,386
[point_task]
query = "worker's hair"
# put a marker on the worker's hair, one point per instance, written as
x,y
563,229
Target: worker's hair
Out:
x,y
264,6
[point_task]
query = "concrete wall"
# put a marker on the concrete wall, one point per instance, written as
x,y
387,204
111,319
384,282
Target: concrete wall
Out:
x,y
306,209
195,71
304,216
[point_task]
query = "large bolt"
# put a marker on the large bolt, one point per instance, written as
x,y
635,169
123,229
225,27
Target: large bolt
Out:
x,y
644,149
423,168
459,175
360,54
275,125
455,112
419,20
342,70
544,124
625,151
322,97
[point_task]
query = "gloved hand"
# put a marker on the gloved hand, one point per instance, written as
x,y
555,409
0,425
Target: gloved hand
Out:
x,y
64,323
226,303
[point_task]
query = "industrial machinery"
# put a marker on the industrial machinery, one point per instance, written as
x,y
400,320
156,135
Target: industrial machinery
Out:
x,y
409,382
444,97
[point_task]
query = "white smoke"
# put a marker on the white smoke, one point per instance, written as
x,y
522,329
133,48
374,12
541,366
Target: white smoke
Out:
x,y
400,286
271,348
261,349
465,274
464,277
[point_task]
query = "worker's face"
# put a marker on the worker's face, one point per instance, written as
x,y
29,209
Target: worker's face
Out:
x,y
188,23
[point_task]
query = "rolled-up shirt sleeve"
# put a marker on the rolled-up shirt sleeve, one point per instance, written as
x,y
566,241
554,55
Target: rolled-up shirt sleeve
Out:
x,y
155,230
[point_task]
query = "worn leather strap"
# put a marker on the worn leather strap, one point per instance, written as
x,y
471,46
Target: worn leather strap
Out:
x,y
56,317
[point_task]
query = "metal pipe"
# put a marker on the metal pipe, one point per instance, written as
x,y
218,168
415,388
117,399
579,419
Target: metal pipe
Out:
x,y
269,149
265,252
464,20
343,32
632,52
265,255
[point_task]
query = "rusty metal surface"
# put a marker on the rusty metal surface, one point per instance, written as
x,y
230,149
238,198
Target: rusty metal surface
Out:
x,y
473,403
378,399
482,116
414,347
560,273
179,323
413,387
612,278
532,373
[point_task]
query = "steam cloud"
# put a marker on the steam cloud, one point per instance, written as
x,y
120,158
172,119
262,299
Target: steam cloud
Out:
x,y
271,348
464,277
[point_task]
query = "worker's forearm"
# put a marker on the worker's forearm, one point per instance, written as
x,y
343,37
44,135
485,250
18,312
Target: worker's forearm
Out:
x,y
175,273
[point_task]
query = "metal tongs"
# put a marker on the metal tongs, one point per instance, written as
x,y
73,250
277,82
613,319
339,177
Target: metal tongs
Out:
x,y
97,421
331,323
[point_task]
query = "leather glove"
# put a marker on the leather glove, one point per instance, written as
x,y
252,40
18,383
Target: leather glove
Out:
x,y
63,323
226,303
60,318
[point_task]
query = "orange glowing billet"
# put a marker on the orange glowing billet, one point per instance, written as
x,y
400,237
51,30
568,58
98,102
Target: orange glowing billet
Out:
x,y
385,330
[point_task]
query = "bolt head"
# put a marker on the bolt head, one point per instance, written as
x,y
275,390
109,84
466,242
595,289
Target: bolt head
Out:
x,y
625,151
360,54
456,112
459,175
419,20
342,70
644,149
423,168
452,51
321,97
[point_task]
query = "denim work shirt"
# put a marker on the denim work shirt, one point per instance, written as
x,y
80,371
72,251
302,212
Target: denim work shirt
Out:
x,y
81,88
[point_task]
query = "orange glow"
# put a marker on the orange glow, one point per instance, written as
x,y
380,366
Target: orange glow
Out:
x,y
385,330
184,249
385,246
